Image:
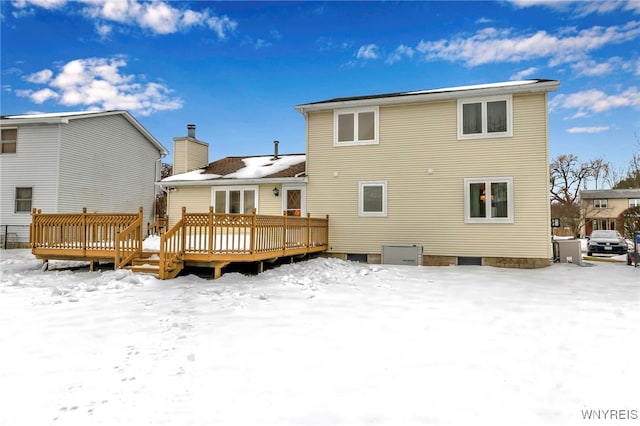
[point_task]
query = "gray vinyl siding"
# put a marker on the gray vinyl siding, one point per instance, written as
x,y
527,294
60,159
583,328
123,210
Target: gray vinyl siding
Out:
x,y
106,165
428,209
33,165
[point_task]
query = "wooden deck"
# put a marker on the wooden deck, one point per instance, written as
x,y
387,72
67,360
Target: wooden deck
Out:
x,y
205,239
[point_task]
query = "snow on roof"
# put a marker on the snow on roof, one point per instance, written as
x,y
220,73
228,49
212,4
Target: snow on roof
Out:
x,y
193,175
473,87
257,167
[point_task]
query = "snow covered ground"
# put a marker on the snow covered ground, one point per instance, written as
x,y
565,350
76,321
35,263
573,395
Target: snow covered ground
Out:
x,y
322,342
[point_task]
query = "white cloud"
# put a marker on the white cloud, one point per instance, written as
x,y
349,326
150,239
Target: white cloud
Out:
x,y
104,30
596,101
400,52
594,129
260,43
45,4
39,77
592,68
492,45
97,83
581,7
521,75
157,16
370,51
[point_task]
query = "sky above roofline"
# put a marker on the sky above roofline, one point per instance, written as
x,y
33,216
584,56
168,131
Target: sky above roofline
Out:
x,y
237,69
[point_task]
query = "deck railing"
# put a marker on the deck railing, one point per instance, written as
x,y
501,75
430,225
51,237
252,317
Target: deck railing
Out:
x,y
129,243
217,237
214,239
171,251
83,234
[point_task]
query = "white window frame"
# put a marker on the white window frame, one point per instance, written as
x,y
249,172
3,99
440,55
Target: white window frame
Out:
x,y
9,141
483,102
634,202
600,203
15,200
361,186
242,189
355,112
488,181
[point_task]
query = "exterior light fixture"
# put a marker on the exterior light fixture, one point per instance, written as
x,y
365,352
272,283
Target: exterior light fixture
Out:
x,y
276,191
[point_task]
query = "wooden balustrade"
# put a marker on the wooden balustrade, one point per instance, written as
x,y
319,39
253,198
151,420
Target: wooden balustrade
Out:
x,y
213,239
128,244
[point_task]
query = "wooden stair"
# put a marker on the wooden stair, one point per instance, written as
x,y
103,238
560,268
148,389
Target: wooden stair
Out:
x,y
149,263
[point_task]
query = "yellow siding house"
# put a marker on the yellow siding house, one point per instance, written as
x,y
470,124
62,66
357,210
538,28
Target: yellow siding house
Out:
x,y
461,173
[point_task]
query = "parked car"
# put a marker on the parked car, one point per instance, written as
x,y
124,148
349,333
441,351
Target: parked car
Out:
x,y
606,242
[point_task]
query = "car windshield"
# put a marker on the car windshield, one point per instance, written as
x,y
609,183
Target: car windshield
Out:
x,y
604,234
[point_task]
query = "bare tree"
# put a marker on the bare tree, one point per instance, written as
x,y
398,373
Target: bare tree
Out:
x,y
600,170
567,176
632,179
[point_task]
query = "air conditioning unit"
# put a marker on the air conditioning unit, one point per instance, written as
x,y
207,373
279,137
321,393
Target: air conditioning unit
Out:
x,y
402,254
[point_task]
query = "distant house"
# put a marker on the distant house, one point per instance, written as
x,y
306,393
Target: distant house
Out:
x,y
105,161
272,184
461,172
601,208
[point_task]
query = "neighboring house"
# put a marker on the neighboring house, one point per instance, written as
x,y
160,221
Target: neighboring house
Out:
x,y
105,161
271,184
601,208
461,172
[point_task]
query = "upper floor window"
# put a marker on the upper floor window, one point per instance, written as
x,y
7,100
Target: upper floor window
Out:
x,y
600,204
235,199
634,202
24,200
484,117
372,199
9,141
488,200
355,126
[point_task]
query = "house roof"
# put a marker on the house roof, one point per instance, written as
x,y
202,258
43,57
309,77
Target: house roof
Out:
x,y
521,86
250,169
65,117
591,194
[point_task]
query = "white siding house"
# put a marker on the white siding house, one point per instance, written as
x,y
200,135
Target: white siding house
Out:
x,y
105,161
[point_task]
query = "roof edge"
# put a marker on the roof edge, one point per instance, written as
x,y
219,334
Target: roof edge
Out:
x,y
524,86
64,118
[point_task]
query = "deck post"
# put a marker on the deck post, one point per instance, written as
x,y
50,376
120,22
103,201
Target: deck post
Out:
x,y
284,232
31,230
84,231
183,237
252,237
211,233
326,235
308,242
140,218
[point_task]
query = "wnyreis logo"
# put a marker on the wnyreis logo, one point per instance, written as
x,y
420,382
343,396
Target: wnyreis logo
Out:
x,y
610,414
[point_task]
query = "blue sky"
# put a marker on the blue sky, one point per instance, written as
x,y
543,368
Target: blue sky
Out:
x,y
237,69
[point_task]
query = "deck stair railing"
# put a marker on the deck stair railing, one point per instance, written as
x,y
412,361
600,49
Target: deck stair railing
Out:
x,y
128,243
